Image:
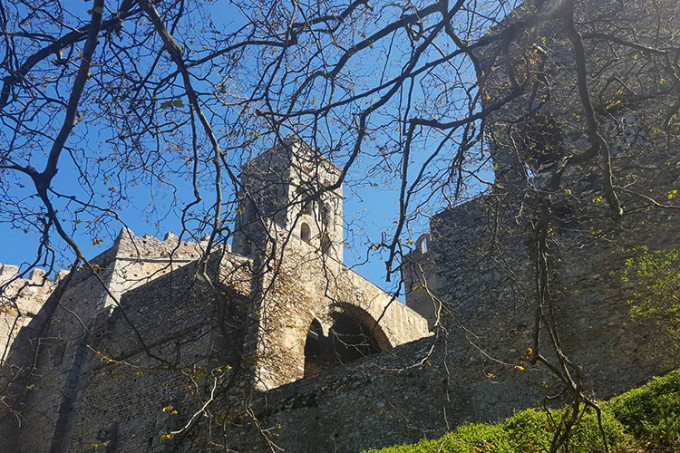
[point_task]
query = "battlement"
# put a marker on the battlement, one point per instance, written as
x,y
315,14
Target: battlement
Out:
x,y
37,275
25,295
129,246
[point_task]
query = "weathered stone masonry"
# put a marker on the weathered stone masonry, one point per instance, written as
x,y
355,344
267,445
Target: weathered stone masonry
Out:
x,y
283,295
135,347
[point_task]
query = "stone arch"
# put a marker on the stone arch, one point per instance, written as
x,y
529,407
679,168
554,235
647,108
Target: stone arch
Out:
x,y
369,322
351,334
423,243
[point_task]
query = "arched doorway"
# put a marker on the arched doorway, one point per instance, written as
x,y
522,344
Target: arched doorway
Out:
x,y
313,349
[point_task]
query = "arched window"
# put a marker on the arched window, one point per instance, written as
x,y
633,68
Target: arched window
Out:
x,y
422,243
541,141
305,233
326,214
307,207
325,243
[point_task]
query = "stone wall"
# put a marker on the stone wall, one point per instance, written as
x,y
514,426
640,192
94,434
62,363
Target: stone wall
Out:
x,y
414,391
147,385
61,353
21,300
497,308
594,205
133,349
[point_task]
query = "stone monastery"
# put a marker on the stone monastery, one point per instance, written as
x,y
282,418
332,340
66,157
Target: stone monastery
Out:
x,y
291,315
272,344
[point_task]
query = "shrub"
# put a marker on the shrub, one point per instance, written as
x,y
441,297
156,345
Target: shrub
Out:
x,y
652,413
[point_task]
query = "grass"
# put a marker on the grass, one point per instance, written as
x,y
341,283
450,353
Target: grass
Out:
x,y
643,419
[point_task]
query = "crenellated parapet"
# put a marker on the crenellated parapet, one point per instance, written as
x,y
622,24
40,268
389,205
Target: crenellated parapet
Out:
x,y
129,246
24,296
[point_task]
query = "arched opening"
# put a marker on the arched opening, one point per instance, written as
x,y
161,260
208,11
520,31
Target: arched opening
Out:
x,y
307,207
325,243
305,232
422,243
541,141
352,336
313,351
326,214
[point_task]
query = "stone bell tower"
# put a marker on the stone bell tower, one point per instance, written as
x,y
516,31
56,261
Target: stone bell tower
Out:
x,y
290,187
309,311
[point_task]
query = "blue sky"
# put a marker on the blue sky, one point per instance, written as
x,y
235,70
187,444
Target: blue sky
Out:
x,y
148,207
369,212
